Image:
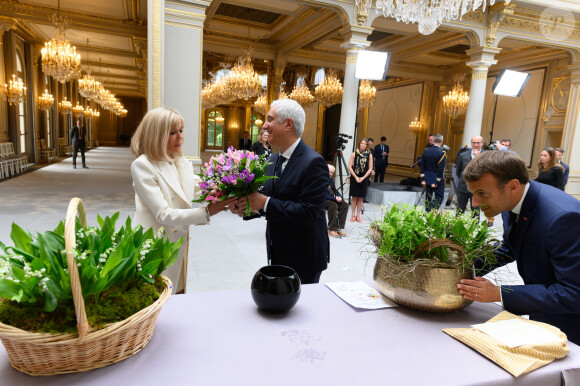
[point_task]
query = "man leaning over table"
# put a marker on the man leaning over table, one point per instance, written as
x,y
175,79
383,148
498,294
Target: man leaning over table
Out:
x,y
541,233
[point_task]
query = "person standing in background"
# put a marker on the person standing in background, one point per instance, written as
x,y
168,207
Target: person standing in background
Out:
x,y
381,159
430,141
559,155
432,165
461,162
77,136
245,142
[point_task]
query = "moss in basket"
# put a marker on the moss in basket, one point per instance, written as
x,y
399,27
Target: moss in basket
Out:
x,y
403,228
119,274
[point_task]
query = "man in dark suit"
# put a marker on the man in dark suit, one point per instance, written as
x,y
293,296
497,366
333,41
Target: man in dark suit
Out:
x,y
381,159
77,136
463,195
293,203
560,153
432,166
245,142
541,228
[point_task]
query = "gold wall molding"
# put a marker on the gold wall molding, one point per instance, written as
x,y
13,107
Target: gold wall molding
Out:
x,y
155,20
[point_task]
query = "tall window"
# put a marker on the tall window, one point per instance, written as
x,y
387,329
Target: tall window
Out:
x,y
215,130
255,128
21,108
319,76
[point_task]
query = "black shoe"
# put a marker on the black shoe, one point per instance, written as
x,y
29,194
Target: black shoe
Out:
x,y
365,201
85,167
74,166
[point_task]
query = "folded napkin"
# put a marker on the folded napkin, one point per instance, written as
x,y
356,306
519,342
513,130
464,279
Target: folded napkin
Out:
x,y
518,360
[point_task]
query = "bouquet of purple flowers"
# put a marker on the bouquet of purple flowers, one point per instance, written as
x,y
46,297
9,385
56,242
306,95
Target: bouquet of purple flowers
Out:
x,y
234,173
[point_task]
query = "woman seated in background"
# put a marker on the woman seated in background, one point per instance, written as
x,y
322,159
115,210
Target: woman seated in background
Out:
x,y
262,146
550,172
165,184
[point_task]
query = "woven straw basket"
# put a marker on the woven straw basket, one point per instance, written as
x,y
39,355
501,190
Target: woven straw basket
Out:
x,y
51,354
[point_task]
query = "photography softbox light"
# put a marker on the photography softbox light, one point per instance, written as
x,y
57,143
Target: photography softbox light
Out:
x,y
372,65
510,83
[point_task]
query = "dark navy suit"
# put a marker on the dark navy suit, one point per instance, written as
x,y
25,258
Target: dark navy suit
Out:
x,y
432,165
381,161
566,173
545,243
296,232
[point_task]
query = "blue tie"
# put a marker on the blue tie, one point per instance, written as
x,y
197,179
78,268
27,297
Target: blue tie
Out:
x,y
281,160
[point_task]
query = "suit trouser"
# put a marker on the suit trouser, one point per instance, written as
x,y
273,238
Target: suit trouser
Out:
x,y
76,147
434,196
380,168
462,199
334,222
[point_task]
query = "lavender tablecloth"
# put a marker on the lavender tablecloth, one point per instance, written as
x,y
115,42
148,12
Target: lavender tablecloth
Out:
x,y
221,338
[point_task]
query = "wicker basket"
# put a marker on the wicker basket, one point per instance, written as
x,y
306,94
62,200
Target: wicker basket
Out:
x,y
51,354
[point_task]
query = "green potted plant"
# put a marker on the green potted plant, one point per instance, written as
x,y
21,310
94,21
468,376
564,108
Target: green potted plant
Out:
x,y
67,292
421,256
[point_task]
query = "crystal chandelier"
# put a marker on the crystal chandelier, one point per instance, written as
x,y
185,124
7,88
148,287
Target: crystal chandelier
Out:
x,y
59,59
429,14
456,101
261,104
65,106
78,110
45,101
14,91
244,82
88,86
302,95
329,91
415,127
366,94
259,123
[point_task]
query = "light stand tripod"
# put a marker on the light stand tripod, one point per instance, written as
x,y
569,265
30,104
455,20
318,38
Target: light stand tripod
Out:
x,y
338,164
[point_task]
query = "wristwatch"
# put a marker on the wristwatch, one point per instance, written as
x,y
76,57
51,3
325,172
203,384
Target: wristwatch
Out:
x,y
207,215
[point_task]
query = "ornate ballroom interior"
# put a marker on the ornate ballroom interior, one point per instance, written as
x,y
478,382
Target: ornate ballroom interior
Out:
x,y
158,52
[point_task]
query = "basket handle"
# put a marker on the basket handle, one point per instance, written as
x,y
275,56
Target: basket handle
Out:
x,y
75,206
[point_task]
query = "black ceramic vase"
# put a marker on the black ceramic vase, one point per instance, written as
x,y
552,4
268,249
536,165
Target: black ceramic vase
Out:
x,y
275,288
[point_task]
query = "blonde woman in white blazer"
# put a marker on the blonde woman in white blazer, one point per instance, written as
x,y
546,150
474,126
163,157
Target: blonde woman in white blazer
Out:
x,y
165,185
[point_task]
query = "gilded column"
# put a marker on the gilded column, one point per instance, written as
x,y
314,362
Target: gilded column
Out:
x,y
177,84
278,71
571,134
481,59
356,40
4,135
320,128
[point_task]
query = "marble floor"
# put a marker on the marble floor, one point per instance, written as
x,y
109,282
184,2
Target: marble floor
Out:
x,y
223,255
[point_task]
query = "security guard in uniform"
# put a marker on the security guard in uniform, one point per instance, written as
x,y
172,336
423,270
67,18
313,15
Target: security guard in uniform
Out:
x,y
432,165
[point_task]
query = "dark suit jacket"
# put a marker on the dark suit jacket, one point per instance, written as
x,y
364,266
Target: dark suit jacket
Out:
x,y
432,163
332,192
245,144
546,245
75,135
566,172
378,154
296,231
460,163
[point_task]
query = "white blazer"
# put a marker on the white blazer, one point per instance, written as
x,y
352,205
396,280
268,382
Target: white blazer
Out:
x,y
162,200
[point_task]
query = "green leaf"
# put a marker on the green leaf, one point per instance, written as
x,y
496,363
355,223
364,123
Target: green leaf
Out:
x,y
11,290
21,238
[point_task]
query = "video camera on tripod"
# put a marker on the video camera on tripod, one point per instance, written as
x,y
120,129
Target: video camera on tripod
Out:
x,y
341,140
